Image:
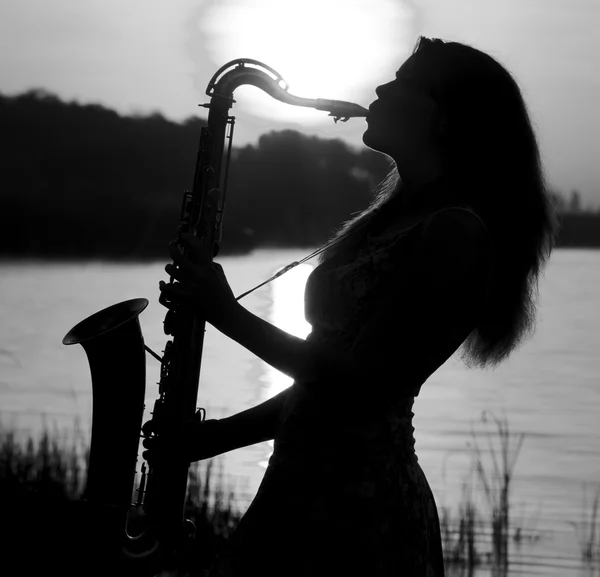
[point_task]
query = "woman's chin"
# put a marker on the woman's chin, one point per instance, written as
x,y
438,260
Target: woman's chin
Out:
x,y
370,139
367,137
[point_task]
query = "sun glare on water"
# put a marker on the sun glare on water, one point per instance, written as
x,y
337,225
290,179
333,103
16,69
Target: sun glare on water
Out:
x,y
335,49
287,313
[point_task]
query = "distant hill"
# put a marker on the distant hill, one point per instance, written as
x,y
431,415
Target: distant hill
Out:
x,y
83,181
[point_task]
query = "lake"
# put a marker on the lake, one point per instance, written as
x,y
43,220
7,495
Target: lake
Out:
x,y
549,390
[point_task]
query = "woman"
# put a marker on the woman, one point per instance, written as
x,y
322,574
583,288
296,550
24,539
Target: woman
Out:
x,y
448,254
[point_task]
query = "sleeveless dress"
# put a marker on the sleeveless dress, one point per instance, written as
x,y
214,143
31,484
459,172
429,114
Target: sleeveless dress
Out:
x,y
343,493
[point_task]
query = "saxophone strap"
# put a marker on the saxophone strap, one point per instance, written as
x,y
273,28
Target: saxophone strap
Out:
x,y
290,266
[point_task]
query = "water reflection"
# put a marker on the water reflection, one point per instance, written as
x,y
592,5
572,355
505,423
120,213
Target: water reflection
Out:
x,y
287,313
548,390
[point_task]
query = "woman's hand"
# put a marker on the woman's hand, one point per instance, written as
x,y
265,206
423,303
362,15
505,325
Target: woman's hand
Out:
x,y
198,440
201,284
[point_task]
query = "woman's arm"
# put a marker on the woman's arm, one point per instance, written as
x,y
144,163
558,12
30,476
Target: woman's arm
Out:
x,y
207,439
431,298
254,425
301,359
205,288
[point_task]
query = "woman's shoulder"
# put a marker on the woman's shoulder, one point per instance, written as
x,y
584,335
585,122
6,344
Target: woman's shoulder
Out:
x,y
456,222
456,240
440,221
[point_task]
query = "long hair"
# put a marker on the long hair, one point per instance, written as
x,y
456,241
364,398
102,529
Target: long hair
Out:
x,y
491,162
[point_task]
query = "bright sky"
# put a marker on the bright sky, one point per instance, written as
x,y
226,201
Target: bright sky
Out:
x,y
150,55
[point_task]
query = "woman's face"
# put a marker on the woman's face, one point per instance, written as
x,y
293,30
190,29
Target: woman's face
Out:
x,y
404,121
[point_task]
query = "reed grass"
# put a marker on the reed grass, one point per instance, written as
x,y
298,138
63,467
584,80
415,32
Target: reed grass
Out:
x,y
472,539
41,484
54,466
460,534
588,530
497,485
52,470
214,502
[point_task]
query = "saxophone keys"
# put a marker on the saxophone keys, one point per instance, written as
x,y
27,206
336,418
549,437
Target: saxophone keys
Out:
x,y
169,322
142,487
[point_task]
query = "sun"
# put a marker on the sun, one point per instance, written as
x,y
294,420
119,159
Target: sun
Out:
x,y
338,49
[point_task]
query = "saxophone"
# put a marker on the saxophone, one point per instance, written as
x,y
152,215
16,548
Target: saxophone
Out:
x,y
114,344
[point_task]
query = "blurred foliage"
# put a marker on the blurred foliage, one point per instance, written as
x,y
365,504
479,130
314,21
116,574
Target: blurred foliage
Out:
x,y
83,181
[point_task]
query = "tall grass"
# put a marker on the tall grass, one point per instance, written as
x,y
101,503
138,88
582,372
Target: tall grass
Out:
x,y
473,539
459,535
212,501
54,466
588,530
39,480
41,483
497,485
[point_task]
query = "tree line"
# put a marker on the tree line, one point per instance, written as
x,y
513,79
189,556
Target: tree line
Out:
x,y
83,181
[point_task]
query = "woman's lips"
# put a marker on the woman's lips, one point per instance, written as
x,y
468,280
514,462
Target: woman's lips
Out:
x,y
374,110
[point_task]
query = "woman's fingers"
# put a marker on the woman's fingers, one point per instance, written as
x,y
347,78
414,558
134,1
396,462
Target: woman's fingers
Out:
x,y
183,262
176,273
155,447
184,269
196,281
196,246
186,272
177,291
197,251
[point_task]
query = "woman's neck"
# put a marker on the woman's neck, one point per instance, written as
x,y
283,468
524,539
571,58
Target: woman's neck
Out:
x,y
427,197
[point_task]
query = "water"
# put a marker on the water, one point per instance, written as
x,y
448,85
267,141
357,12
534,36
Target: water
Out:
x,y
548,390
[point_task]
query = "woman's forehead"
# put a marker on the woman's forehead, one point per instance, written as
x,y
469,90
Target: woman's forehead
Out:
x,y
425,66
424,62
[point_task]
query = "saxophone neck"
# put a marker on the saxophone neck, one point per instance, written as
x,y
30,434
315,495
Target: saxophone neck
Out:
x,y
247,71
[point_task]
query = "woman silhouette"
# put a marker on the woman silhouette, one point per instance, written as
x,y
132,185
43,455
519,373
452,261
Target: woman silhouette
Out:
x,y
446,256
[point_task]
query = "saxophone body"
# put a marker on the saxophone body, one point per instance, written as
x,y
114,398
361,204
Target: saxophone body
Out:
x,y
114,344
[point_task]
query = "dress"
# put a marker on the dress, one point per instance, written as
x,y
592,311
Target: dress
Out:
x,y
344,493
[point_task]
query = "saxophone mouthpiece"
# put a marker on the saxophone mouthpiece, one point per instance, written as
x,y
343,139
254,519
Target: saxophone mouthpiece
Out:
x,y
340,109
